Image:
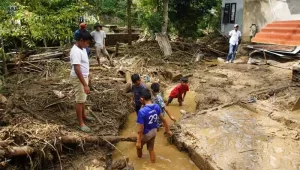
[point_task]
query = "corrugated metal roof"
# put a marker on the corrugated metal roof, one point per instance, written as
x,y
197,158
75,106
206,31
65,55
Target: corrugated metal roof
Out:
x,y
280,32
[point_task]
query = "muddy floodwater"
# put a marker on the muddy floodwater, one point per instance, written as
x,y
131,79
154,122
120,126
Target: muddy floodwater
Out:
x,y
167,155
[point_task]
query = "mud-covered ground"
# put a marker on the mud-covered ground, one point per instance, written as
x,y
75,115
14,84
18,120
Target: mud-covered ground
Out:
x,y
40,108
37,108
244,118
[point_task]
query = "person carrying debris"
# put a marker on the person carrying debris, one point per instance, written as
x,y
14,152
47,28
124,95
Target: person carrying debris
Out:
x,y
179,91
157,98
147,120
235,36
79,76
136,89
82,27
99,38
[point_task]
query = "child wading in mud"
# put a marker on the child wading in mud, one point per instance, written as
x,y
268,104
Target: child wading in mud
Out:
x,y
179,91
137,88
157,98
147,124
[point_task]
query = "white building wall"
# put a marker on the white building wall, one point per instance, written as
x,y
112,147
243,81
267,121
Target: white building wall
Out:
x,y
225,28
262,12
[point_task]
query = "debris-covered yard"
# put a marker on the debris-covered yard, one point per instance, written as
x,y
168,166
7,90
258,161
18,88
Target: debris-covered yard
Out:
x,y
242,110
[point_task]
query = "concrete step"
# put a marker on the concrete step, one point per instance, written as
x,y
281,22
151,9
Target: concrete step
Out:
x,y
281,36
280,32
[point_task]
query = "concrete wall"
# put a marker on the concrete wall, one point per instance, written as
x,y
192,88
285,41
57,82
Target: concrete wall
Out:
x,y
225,28
262,12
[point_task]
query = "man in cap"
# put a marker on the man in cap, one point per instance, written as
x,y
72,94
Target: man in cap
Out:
x,y
235,36
82,27
99,38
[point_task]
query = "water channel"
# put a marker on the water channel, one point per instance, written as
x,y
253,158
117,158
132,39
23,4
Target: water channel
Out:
x,y
168,157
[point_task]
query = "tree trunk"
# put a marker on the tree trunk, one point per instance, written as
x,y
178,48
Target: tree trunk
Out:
x,y
164,29
45,42
129,3
5,71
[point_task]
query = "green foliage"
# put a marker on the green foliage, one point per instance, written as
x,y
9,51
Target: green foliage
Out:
x,y
56,20
187,18
187,15
36,20
149,14
112,8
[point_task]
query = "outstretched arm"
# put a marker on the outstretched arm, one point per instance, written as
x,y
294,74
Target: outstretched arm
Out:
x,y
167,129
184,94
168,113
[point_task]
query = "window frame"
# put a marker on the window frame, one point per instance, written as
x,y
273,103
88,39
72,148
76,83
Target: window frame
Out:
x,y
230,16
226,13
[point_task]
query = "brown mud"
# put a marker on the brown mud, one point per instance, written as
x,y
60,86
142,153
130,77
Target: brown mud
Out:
x,y
167,155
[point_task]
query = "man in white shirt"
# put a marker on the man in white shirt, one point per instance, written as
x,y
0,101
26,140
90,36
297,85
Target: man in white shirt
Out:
x,y
80,76
99,38
235,36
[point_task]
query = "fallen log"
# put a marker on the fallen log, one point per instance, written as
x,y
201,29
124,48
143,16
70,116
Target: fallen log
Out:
x,y
16,151
98,68
113,79
5,143
46,55
11,151
96,139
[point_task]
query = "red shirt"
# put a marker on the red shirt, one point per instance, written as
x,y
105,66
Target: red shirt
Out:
x,y
179,90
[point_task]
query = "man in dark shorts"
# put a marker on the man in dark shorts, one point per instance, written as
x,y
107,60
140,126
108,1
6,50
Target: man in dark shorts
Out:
x,y
147,119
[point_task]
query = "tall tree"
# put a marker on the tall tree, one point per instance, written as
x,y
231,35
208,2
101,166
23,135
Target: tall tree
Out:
x,y
129,3
187,15
166,17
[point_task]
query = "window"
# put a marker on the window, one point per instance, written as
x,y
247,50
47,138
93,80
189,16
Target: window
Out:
x,y
229,13
232,13
226,13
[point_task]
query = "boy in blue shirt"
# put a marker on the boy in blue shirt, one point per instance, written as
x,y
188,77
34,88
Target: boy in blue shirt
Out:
x,y
136,89
147,124
158,99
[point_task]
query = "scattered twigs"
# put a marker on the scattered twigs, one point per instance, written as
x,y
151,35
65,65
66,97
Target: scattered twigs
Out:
x,y
55,103
216,51
90,110
27,110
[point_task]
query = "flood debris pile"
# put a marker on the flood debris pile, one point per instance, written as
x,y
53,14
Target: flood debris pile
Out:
x,y
38,123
